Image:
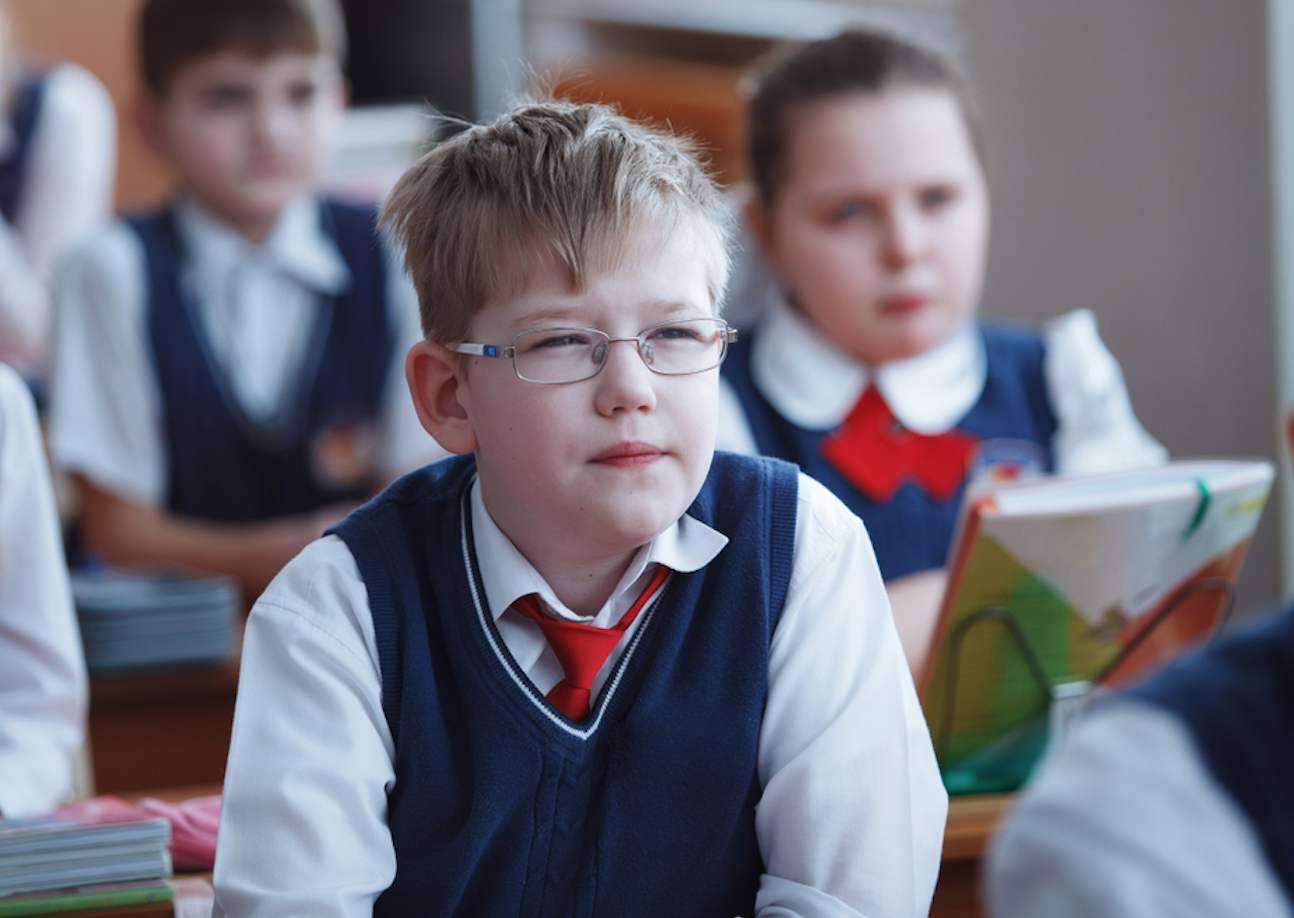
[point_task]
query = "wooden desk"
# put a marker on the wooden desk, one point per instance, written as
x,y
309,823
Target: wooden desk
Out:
x,y
971,821
163,729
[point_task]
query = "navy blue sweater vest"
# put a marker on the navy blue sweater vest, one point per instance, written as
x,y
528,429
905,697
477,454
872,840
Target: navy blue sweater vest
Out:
x,y
1237,698
225,466
504,807
28,96
912,531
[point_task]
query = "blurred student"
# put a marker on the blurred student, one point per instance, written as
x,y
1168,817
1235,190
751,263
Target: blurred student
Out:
x,y
58,154
869,367
229,369
43,695
587,667
1175,798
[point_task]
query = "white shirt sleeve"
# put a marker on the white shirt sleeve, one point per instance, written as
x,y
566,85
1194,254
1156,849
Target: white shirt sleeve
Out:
x,y
852,816
1127,822
43,694
1097,429
67,192
407,444
105,407
303,827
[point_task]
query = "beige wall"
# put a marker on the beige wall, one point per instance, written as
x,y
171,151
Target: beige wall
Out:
x,y
1128,157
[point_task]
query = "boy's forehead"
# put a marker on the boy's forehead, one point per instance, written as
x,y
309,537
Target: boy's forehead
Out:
x,y
243,63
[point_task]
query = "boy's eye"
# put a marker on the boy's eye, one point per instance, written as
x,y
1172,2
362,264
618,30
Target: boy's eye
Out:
x,y
303,94
676,333
851,210
936,198
223,98
553,339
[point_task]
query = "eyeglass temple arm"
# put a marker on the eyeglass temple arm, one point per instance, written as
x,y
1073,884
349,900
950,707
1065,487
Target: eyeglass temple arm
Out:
x,y
483,350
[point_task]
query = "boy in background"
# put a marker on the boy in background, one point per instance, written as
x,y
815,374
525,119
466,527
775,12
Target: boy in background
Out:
x,y
422,726
227,370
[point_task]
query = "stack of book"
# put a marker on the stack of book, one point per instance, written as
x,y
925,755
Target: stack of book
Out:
x,y
93,854
137,621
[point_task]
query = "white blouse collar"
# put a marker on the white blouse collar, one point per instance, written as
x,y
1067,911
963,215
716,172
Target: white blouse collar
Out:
x,y
297,245
814,384
688,545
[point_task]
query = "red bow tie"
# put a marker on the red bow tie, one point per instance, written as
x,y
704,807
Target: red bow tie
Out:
x,y
877,453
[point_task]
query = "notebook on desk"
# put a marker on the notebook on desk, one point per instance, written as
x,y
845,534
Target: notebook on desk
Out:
x,y
1059,584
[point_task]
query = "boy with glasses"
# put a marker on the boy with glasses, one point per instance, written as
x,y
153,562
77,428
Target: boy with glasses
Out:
x,y
588,666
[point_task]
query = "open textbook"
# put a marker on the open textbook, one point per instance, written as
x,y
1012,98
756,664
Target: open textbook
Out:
x,y
1057,584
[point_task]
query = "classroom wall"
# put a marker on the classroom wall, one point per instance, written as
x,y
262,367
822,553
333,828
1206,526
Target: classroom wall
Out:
x,y
1128,159
1127,152
99,35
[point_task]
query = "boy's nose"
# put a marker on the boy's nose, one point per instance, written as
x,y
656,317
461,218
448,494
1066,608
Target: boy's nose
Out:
x,y
905,235
625,383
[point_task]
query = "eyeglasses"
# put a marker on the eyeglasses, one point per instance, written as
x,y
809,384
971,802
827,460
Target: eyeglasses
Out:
x,y
567,355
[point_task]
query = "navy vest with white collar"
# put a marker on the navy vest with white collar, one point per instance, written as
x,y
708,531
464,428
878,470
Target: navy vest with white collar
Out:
x,y
29,94
1236,696
504,807
223,465
913,531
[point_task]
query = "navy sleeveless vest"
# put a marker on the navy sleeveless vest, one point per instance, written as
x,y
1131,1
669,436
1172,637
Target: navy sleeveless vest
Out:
x,y
28,96
913,531
1237,698
504,807
225,466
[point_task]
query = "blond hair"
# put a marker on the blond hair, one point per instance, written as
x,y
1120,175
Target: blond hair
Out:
x,y
578,183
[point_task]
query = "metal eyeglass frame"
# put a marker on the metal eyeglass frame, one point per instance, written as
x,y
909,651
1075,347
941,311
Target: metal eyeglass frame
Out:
x,y
727,335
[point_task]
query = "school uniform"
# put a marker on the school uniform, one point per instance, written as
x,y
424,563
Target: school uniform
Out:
x,y
43,693
899,444
741,755
58,153
1174,799
227,381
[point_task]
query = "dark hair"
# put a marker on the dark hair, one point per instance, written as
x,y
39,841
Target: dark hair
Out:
x,y
795,76
173,33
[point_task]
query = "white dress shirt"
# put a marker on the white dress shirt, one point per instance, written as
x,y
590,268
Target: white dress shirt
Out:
x,y
814,384
67,191
852,814
1126,821
258,305
43,694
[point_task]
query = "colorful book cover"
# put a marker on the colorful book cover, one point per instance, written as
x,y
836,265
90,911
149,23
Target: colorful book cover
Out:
x,y
98,821
1058,582
108,895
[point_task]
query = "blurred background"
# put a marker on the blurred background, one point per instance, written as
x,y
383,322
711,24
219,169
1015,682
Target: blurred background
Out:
x,y
1138,153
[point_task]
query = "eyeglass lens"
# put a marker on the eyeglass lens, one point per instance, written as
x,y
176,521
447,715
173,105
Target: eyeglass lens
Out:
x,y
571,354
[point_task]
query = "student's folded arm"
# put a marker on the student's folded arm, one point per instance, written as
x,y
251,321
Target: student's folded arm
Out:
x,y
121,531
852,815
303,815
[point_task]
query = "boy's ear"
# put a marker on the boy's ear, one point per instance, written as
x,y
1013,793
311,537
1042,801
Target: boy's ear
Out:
x,y
146,114
435,382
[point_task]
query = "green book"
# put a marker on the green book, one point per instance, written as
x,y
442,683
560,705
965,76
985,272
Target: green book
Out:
x,y
88,897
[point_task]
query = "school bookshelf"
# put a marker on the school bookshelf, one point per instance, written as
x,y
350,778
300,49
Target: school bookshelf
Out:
x,y
1061,587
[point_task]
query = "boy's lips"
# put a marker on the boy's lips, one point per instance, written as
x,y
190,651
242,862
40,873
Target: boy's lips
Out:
x,y
901,303
628,454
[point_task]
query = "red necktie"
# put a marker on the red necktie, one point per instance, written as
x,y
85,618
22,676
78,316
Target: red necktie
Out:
x,y
582,649
877,453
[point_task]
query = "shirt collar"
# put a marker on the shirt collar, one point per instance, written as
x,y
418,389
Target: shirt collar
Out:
x,y
687,545
296,246
814,384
